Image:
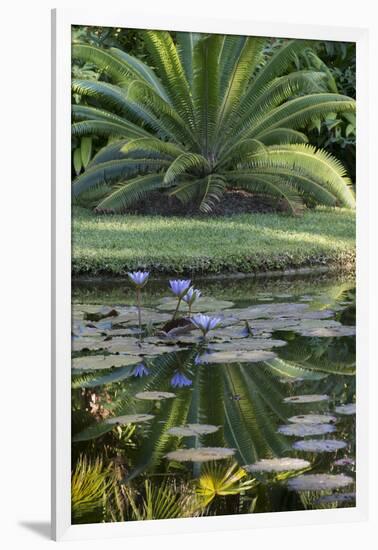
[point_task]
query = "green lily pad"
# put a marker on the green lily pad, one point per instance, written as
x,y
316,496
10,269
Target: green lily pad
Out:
x,y
99,362
249,344
129,419
336,498
313,398
303,430
348,409
328,332
313,419
202,305
193,430
285,464
149,316
135,347
319,445
88,343
319,482
200,454
234,356
154,395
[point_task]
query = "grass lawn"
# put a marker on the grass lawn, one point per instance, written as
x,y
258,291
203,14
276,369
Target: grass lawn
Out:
x,y
244,243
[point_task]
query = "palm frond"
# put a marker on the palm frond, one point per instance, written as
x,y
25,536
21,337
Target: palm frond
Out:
x,y
172,74
186,162
186,42
206,90
130,192
110,172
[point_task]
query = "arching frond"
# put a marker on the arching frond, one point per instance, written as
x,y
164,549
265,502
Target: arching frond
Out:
x,y
130,192
211,192
109,173
281,136
144,71
298,112
241,151
151,148
186,42
206,90
277,65
171,72
187,163
272,185
237,71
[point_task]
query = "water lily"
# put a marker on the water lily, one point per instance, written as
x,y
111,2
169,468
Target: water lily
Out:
x,y
205,323
179,380
190,297
139,278
140,370
179,287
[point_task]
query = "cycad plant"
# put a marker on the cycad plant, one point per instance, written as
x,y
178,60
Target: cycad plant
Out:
x,y
213,113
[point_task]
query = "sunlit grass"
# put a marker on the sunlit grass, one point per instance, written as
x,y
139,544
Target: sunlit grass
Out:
x,y
245,242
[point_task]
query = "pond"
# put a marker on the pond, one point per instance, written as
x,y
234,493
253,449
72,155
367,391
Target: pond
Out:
x,y
258,416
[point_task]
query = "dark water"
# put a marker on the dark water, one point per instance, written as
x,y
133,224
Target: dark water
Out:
x,y
286,402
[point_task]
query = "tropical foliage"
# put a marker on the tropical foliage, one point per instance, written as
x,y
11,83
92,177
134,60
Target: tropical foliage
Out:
x,y
209,113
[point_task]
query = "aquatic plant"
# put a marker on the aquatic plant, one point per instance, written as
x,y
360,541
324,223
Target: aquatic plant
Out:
x,y
179,380
190,297
140,370
139,278
179,287
205,323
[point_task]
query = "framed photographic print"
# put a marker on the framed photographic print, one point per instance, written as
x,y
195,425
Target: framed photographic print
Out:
x,y
207,179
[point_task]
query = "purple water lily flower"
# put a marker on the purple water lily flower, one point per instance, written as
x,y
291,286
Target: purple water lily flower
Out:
x,y
139,278
205,322
180,287
179,380
140,370
192,295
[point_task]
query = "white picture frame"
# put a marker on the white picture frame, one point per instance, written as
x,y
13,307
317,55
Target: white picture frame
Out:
x,y
61,273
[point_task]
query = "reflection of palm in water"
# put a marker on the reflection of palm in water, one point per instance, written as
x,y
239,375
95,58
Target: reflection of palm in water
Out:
x,y
246,402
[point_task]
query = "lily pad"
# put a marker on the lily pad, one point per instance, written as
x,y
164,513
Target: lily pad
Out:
x,y
202,305
344,462
329,332
313,419
303,430
154,395
285,464
131,346
130,317
336,498
319,445
102,313
253,356
306,398
99,362
249,344
319,482
88,343
193,430
200,454
130,419
348,409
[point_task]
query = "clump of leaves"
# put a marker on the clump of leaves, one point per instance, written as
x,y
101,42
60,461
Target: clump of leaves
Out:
x,y
218,480
89,484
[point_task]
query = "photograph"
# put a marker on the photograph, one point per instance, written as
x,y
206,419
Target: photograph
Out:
x,y
213,260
